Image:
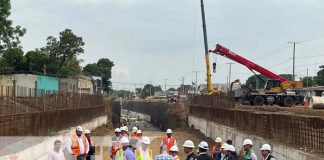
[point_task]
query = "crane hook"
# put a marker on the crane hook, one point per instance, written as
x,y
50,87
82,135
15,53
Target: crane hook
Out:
x,y
214,67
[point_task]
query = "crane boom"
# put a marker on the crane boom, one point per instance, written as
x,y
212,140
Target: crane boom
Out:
x,y
225,52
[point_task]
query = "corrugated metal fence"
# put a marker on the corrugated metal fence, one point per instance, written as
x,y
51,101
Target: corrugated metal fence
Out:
x,y
43,116
306,132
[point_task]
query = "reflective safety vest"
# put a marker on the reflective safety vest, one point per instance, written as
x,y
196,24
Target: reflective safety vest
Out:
x,y
75,145
116,145
215,149
120,155
139,155
247,155
170,143
176,158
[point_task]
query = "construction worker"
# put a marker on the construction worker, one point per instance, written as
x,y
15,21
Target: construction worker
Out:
x,y
229,152
222,152
78,145
144,152
169,140
203,147
164,154
134,134
126,130
216,152
121,153
123,131
56,153
130,151
92,147
115,144
188,147
248,153
174,151
266,152
139,135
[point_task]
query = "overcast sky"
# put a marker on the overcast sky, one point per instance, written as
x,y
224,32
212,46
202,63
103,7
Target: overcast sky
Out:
x,y
153,40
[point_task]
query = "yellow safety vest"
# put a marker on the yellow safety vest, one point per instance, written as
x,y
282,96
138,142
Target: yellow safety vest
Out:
x,y
139,155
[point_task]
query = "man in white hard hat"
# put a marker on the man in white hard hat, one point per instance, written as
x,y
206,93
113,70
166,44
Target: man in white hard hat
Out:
x,y
115,144
203,147
123,131
222,151
78,145
188,147
121,153
229,150
169,140
266,152
92,147
174,150
248,153
134,134
144,152
216,152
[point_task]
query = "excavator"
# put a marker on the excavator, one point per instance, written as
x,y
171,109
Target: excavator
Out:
x,y
277,90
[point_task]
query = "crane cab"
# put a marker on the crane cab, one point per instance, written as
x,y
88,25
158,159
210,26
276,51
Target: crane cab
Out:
x,y
273,86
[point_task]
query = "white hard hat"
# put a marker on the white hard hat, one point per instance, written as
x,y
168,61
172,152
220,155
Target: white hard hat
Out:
x,y
138,131
126,128
189,144
122,128
79,128
224,145
87,131
174,148
203,145
266,147
218,140
247,141
134,129
169,131
117,130
146,140
124,140
229,148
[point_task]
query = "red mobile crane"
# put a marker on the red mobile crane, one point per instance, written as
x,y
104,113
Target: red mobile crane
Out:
x,y
278,90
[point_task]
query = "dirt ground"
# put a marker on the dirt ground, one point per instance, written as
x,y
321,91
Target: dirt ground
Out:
x,y
298,110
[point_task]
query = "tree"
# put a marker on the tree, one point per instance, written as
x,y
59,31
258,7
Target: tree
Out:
x,y
9,35
253,80
319,79
287,76
103,69
149,90
63,53
172,89
14,59
36,61
311,81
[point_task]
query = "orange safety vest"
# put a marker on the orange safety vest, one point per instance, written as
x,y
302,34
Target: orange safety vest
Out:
x,y
139,155
134,135
115,147
75,145
214,150
170,143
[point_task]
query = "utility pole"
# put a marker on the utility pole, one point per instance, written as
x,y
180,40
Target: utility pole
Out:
x,y
165,85
196,83
307,78
294,57
182,80
229,74
151,88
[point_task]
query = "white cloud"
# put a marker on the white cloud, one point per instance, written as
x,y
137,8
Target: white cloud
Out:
x,y
120,72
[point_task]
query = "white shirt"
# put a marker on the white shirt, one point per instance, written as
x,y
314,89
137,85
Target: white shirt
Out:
x,y
82,149
253,156
53,155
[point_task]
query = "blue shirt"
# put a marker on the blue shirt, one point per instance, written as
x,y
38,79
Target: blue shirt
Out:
x,y
164,157
129,154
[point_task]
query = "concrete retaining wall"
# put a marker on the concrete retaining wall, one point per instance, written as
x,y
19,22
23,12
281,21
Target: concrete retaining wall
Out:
x,y
40,150
140,116
213,130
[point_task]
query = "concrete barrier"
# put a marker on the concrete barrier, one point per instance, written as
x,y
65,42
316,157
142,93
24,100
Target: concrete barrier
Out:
x,y
213,130
42,145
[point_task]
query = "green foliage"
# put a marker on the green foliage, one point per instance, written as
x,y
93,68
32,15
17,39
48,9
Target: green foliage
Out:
x,y
149,90
253,80
311,81
287,76
102,69
9,35
171,89
14,59
319,79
